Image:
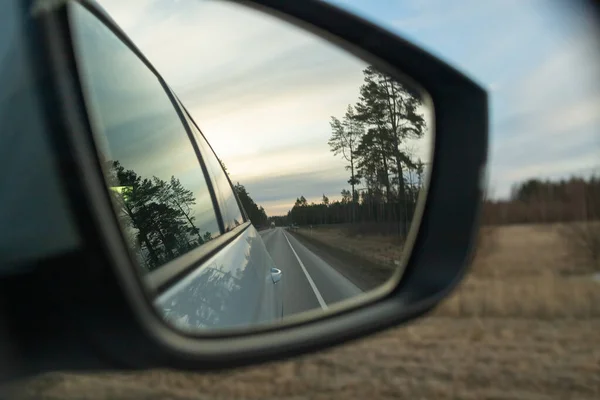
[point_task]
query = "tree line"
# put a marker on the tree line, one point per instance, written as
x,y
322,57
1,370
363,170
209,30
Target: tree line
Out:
x,y
547,201
531,201
256,214
158,218
156,215
372,138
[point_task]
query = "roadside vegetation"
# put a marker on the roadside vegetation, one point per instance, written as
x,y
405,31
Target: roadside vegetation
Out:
x,y
376,137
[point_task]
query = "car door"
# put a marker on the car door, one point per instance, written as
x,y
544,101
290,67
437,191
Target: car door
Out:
x,y
239,285
179,214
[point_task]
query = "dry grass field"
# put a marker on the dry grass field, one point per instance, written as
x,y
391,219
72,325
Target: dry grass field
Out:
x,y
527,271
525,324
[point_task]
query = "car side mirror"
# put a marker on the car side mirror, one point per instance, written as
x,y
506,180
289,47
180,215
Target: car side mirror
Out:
x,y
108,303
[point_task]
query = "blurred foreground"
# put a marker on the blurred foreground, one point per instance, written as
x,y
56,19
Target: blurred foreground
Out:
x,y
524,325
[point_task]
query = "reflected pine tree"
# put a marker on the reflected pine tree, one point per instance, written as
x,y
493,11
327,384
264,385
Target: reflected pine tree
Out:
x,y
157,216
374,137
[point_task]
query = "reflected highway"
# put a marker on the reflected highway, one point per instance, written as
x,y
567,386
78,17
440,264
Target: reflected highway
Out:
x,y
309,282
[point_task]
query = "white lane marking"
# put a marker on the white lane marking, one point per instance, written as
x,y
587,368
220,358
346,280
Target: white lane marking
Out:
x,y
310,281
344,285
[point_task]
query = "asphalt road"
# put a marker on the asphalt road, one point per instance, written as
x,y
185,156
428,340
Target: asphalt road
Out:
x,y
309,282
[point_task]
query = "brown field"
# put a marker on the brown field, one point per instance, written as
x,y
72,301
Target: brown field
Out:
x,y
526,271
525,324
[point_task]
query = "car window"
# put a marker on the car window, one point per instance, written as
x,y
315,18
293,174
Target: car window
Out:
x,y
232,215
152,170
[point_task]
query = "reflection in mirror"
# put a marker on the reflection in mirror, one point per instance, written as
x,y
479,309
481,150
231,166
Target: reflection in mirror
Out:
x,y
159,192
326,156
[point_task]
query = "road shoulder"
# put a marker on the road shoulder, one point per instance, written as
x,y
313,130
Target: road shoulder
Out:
x,y
362,272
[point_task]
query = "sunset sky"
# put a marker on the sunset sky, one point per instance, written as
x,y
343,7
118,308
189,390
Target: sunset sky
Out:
x,y
263,92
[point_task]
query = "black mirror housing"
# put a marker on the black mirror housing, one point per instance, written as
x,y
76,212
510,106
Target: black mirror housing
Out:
x,y
89,304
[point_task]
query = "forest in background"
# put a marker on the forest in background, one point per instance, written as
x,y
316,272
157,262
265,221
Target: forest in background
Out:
x,y
547,201
374,138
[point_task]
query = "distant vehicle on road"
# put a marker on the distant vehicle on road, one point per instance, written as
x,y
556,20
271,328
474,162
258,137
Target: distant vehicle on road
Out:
x,y
272,224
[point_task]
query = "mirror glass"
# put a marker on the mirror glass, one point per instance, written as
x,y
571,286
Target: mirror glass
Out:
x,y
265,174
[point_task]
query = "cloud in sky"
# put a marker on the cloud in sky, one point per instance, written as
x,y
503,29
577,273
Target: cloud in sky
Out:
x,y
547,122
263,92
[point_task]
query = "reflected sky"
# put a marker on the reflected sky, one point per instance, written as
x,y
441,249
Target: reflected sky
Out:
x,y
230,210
263,92
137,125
539,59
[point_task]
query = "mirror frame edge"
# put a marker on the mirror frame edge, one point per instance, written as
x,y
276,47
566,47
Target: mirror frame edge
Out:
x,y
150,343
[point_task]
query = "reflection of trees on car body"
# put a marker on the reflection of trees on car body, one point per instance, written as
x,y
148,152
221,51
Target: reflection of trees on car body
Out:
x,y
210,294
226,290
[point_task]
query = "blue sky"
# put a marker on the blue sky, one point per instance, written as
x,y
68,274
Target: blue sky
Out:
x,y
263,92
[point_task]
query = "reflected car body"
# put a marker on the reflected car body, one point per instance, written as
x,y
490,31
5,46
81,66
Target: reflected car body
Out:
x,y
235,287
